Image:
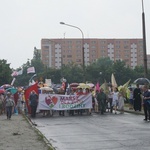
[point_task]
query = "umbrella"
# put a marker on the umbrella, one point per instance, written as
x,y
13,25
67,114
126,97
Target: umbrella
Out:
x,y
91,85
74,84
46,88
2,91
83,86
142,81
12,90
6,86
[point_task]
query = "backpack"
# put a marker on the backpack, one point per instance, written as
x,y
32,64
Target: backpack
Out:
x,y
1,101
9,102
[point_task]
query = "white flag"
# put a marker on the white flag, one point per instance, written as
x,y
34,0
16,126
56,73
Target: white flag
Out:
x,y
15,73
20,72
31,70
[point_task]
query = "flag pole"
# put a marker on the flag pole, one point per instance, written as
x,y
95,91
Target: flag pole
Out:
x,y
32,78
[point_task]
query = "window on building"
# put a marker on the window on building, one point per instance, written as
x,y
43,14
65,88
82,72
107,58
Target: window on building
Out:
x,y
46,47
93,52
118,42
78,42
78,55
93,46
126,42
69,60
78,60
69,42
78,51
46,51
102,47
69,56
117,46
69,47
69,51
78,46
93,42
103,42
126,46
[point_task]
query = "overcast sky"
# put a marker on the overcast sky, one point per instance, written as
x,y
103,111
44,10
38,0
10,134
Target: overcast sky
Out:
x,y
23,23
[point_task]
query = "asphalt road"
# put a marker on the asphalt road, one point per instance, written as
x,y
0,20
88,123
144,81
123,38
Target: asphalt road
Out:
x,y
96,132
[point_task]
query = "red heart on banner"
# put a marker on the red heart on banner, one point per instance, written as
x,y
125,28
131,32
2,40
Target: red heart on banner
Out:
x,y
54,100
47,100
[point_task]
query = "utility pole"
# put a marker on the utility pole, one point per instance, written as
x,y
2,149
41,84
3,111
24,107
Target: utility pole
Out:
x,y
144,41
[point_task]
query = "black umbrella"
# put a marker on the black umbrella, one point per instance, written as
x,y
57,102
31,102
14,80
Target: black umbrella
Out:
x,y
142,81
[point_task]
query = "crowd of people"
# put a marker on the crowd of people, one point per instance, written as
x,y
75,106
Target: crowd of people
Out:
x,y
102,102
9,104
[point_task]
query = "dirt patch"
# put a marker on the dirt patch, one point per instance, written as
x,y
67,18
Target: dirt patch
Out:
x,y
18,134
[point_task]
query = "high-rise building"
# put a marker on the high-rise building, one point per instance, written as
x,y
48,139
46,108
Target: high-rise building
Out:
x,y
56,52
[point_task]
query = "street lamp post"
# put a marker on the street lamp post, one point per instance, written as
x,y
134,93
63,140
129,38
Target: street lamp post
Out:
x,y
144,41
82,46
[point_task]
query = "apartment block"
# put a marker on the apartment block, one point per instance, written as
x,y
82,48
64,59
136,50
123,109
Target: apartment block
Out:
x,y
56,52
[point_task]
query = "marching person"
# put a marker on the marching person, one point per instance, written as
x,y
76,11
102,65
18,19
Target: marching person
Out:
x,y
20,102
115,99
1,104
121,102
101,98
110,98
137,98
96,102
146,105
33,99
9,103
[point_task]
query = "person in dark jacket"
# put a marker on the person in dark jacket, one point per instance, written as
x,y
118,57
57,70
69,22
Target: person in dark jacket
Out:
x,y
137,98
101,98
146,104
33,98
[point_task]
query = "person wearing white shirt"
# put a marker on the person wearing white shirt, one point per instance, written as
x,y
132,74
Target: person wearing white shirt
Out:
x,y
115,99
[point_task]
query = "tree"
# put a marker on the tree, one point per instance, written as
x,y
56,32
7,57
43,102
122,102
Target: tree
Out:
x,y
121,72
5,72
37,62
72,72
100,70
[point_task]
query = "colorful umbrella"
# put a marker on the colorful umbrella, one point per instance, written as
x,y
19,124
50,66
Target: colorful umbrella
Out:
x,y
6,86
83,86
74,84
12,90
91,85
2,91
46,88
142,81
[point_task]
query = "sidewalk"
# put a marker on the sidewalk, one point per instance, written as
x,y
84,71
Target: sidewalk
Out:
x,y
126,109
18,134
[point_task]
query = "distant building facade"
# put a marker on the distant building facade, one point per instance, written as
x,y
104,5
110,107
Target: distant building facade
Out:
x,y
55,52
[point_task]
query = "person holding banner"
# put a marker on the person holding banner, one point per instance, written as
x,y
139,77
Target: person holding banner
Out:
x,y
33,99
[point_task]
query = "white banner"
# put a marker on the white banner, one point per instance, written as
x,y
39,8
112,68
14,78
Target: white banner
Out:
x,y
64,102
48,82
30,70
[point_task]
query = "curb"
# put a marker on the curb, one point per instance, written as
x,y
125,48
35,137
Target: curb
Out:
x,y
33,125
133,112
